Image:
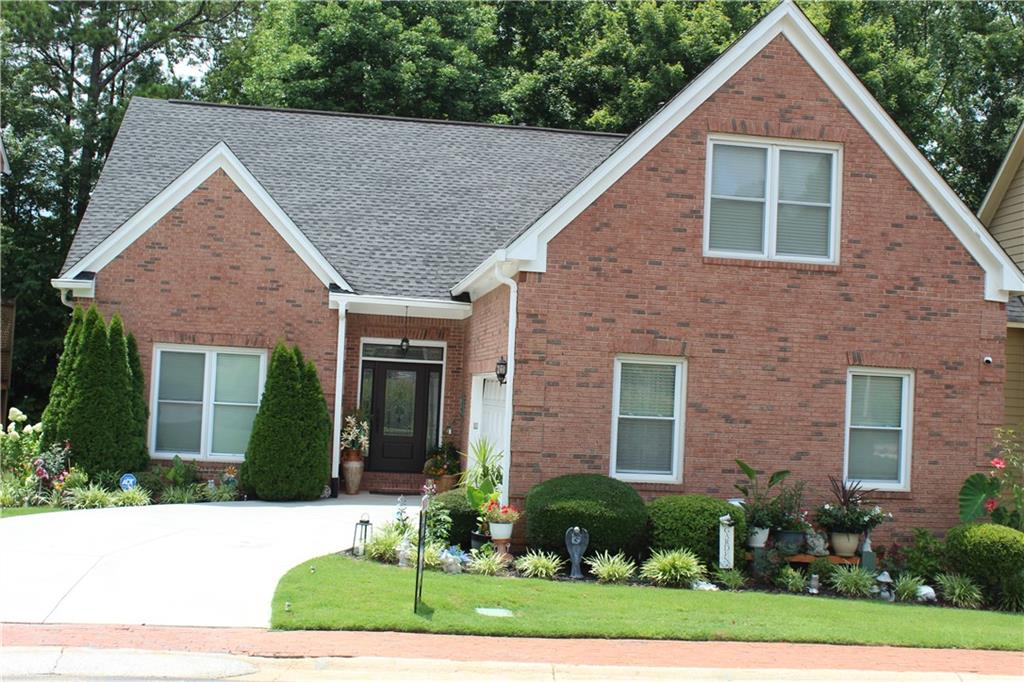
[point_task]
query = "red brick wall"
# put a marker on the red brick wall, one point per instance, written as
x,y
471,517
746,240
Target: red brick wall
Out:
x,y
214,272
768,345
486,341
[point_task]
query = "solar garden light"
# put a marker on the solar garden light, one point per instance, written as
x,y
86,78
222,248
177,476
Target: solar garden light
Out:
x,y
361,535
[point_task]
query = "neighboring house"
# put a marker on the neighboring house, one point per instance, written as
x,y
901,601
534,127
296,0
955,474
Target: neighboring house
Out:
x,y
765,269
1003,212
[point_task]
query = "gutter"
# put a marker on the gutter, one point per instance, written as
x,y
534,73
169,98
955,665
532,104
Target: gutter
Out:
x,y
339,387
79,287
513,304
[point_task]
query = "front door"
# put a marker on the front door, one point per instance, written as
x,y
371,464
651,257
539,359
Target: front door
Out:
x,y
403,400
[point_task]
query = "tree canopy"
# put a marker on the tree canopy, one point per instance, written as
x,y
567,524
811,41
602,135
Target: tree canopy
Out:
x,y
951,74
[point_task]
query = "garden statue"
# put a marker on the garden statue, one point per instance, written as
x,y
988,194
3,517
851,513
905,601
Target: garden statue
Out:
x,y
925,594
817,544
576,541
885,591
814,584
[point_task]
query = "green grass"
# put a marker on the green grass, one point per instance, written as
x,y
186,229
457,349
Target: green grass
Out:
x,y
348,594
25,511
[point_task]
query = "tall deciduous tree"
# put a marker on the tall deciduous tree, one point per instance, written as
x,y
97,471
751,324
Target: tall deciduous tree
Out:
x,y
69,69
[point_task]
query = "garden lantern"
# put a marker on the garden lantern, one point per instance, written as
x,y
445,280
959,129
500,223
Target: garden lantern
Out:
x,y
501,369
361,535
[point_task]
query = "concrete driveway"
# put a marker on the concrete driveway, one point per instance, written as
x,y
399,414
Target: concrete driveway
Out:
x,y
193,564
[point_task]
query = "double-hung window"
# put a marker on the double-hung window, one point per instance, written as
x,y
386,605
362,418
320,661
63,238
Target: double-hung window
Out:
x,y
771,201
879,410
647,419
205,400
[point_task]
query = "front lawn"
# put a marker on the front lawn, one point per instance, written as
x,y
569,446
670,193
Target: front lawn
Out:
x,y
349,594
25,511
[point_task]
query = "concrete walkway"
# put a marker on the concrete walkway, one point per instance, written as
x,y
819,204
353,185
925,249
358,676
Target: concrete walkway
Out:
x,y
72,664
196,564
408,651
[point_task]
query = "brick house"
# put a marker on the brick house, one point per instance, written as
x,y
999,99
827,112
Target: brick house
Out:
x,y
767,269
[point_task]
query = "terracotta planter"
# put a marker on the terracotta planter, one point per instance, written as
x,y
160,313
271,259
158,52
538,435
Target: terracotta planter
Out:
x,y
445,483
845,544
500,531
352,466
758,537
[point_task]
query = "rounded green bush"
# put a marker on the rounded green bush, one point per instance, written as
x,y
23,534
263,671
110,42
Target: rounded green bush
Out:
x,y
611,511
986,552
691,522
462,514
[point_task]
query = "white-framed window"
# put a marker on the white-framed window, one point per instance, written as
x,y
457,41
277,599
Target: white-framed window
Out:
x,y
204,400
879,425
648,403
772,200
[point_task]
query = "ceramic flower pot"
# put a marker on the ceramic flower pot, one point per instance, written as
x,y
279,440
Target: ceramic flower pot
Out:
x,y
791,540
501,531
845,544
443,484
478,540
758,537
352,465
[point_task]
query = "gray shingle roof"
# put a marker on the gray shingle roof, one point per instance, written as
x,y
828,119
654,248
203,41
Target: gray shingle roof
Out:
x,y
397,206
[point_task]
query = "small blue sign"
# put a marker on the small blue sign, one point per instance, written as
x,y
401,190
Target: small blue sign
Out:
x,y
128,481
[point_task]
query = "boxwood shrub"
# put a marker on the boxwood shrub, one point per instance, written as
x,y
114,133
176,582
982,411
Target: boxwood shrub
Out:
x,y
987,552
691,522
611,511
463,515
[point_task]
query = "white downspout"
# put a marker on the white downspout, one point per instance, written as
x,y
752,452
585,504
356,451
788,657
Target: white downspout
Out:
x,y
513,301
339,387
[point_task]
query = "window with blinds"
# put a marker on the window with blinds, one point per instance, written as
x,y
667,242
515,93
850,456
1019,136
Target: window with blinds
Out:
x,y
878,414
771,201
647,419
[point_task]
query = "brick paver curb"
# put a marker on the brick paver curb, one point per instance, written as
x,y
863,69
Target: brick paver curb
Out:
x,y
259,642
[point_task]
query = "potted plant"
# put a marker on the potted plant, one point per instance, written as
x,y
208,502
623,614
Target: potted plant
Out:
x,y
442,467
483,478
790,519
500,519
848,516
355,445
757,504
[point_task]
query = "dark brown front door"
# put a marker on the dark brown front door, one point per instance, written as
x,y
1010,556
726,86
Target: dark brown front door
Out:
x,y
403,400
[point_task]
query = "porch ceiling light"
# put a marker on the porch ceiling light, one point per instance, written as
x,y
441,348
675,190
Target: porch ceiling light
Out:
x,y
501,369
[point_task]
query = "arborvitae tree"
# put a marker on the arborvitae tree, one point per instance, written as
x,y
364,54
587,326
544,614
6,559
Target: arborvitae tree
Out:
x,y
125,456
319,424
54,412
277,459
93,400
140,408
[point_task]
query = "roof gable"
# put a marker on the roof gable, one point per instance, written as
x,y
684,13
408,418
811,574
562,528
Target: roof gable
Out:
x,y
528,251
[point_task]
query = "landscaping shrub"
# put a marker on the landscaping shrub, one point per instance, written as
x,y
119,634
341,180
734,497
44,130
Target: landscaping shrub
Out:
x,y
383,546
822,567
925,557
134,497
140,406
485,561
611,568
123,425
92,496
431,555
1011,592
731,578
538,564
673,568
852,581
222,493
53,415
612,512
462,515
906,587
988,553
791,579
180,473
691,522
959,590
183,494
287,454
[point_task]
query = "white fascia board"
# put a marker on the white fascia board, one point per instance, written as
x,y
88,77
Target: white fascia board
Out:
x,y
400,305
482,279
1001,275
81,288
220,157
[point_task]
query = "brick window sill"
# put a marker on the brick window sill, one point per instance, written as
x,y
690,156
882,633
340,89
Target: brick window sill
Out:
x,y
771,264
890,495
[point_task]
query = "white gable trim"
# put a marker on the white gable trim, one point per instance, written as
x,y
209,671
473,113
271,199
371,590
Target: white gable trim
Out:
x,y
401,306
220,157
1001,276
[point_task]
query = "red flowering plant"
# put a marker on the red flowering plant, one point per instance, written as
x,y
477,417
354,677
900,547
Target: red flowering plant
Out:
x,y
495,512
999,494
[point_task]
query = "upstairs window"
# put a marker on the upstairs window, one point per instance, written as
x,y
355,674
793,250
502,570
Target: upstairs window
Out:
x,y
771,201
879,405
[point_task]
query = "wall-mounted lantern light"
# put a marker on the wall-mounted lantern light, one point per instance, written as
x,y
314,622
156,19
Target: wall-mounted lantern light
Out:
x,y
501,369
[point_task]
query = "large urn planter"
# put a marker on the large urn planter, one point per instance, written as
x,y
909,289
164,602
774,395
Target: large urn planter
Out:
x,y
845,544
758,537
443,484
352,466
500,531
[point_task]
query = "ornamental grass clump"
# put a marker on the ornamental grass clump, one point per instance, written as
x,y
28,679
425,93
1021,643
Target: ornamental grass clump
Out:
x,y
183,494
384,544
673,568
92,496
133,497
611,568
959,590
906,587
852,581
731,579
486,561
791,579
431,555
539,564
